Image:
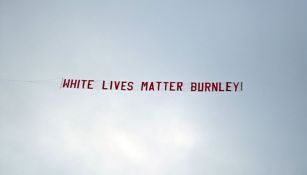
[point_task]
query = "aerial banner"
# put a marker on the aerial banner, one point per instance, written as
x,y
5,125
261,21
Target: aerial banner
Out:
x,y
150,86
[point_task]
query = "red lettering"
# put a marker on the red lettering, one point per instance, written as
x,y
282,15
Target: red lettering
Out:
x,y
66,83
130,86
89,85
228,86
193,86
179,86
207,86
236,86
144,85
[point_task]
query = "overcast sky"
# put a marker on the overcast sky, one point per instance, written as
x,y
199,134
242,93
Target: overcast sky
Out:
x,y
48,130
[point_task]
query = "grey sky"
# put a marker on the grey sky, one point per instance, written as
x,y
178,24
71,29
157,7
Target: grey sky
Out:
x,y
45,130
